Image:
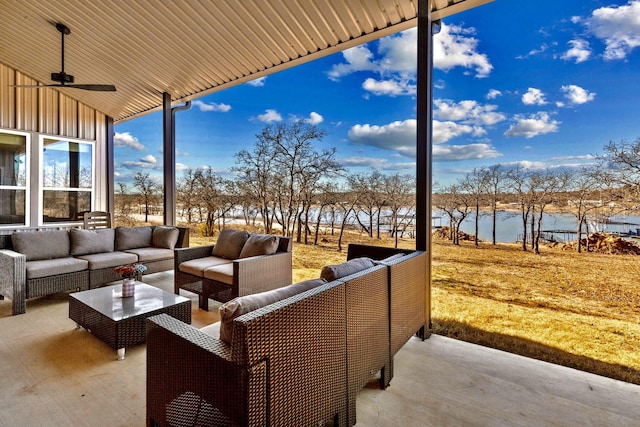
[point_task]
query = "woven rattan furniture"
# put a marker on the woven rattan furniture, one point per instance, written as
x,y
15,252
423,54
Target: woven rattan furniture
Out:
x,y
408,298
19,285
286,366
250,275
120,322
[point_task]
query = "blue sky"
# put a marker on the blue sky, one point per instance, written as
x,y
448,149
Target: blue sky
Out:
x,y
541,84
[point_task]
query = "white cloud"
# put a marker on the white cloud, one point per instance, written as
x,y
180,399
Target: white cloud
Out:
x,y
444,153
389,87
579,52
534,125
618,27
399,136
361,161
270,115
467,111
213,106
454,47
533,97
181,167
125,139
394,61
577,95
257,82
147,162
493,94
314,118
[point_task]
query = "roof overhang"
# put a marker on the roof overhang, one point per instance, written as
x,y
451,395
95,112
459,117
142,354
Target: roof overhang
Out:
x,y
186,48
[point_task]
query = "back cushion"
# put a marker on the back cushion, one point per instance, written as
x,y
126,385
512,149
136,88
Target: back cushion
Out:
x,y
259,244
37,245
164,237
242,305
230,243
132,237
338,271
85,242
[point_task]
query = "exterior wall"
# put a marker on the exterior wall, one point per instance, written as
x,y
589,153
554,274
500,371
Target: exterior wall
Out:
x,y
49,112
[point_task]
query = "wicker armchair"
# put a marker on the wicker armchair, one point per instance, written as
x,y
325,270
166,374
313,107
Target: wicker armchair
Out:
x,y
250,275
285,366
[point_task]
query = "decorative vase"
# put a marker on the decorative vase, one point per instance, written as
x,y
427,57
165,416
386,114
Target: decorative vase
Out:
x,y
128,287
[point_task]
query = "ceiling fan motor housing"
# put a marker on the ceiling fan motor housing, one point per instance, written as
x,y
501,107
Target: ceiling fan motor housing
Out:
x,y
62,77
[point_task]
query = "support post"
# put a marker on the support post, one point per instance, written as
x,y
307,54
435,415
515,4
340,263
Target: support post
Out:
x,y
169,161
424,140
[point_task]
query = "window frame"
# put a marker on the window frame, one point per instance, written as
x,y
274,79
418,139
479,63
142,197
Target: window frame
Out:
x,y
27,184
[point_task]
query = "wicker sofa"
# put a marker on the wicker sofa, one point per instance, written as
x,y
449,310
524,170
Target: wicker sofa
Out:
x,y
45,262
408,296
285,361
238,264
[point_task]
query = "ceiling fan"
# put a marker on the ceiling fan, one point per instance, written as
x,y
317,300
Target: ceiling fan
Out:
x,y
66,80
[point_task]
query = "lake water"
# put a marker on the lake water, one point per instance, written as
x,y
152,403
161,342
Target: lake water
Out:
x,y
509,225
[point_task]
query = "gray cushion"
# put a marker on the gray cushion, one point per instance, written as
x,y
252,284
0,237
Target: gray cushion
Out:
x,y
212,330
37,245
132,237
334,272
108,260
164,237
91,241
197,266
242,305
52,267
221,273
151,254
259,244
230,243
388,259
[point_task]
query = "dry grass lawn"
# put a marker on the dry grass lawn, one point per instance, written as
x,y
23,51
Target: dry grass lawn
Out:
x,y
578,310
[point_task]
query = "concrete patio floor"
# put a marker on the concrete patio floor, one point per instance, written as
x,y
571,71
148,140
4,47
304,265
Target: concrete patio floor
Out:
x,y
53,374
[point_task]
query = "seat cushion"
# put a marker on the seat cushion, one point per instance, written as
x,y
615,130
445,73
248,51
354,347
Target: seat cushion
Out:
x,y
242,305
52,267
259,244
197,266
37,245
91,241
164,237
132,237
212,330
151,254
337,271
108,259
230,243
222,273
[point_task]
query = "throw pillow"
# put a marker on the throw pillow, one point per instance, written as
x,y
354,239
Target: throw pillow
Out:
x,y
132,238
85,242
38,245
230,243
165,237
259,244
242,305
338,271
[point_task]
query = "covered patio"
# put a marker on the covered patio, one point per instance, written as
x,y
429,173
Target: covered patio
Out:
x,y
160,56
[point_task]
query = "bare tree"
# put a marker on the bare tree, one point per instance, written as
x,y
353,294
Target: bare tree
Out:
x,y
476,184
456,204
400,200
495,176
520,182
148,187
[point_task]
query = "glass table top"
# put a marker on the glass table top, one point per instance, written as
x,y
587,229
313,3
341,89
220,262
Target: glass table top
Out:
x,y
109,301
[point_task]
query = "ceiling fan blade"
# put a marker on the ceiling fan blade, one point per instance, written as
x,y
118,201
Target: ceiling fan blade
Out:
x,y
93,87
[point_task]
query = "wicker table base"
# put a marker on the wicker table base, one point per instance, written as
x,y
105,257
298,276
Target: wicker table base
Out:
x,y
120,322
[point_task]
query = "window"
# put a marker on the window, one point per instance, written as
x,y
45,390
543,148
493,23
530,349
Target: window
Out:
x,y
67,179
13,178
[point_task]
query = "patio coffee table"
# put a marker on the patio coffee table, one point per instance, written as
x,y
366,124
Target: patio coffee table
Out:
x,y
120,322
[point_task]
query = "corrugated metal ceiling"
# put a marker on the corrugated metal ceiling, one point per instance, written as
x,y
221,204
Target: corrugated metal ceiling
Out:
x,y
188,48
